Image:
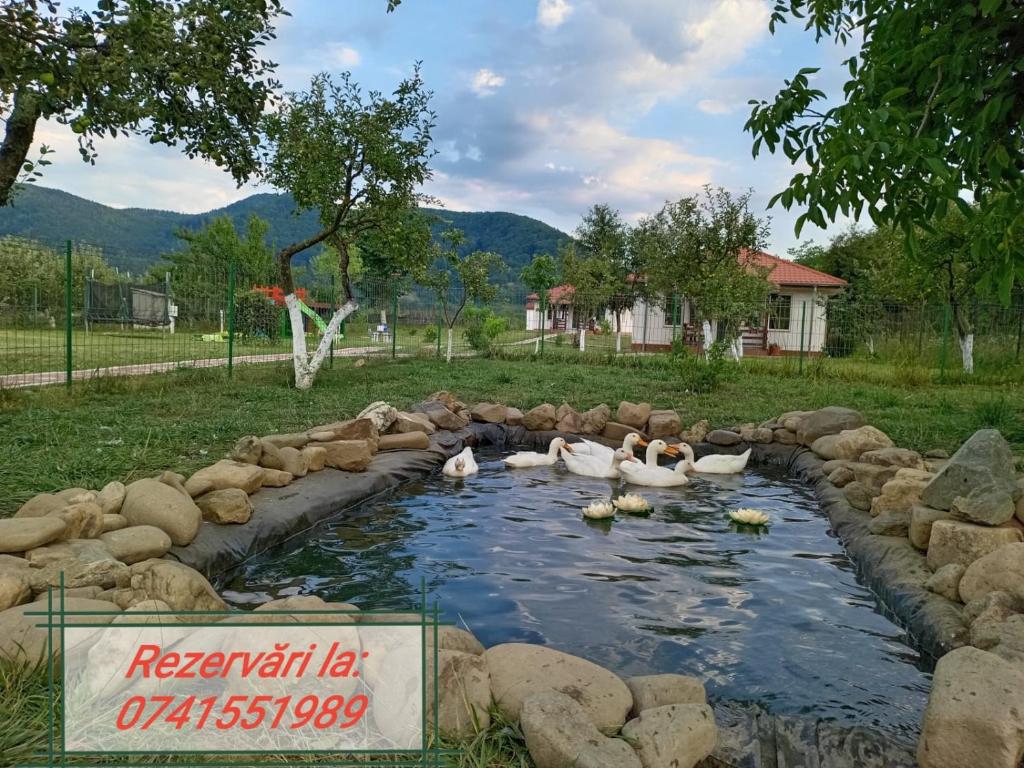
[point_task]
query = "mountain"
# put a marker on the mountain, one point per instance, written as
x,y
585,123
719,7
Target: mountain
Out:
x,y
134,238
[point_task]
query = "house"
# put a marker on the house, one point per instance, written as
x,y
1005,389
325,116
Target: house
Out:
x,y
793,318
561,313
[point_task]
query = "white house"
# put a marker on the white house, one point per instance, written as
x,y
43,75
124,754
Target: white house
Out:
x,y
561,314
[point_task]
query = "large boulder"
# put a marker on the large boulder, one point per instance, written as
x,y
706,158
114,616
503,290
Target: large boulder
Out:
x,y
569,421
560,734
999,571
316,457
1005,639
514,417
900,494
859,495
24,642
412,422
18,534
441,417
974,713
893,457
136,543
248,450
14,588
921,521
946,581
85,550
150,502
613,430
873,475
82,520
664,424
791,420
295,440
349,455
984,461
353,429
223,474
111,497
650,691
489,413
231,505
851,444
270,455
782,437
381,414
697,433
953,541
635,415
595,419
830,420
463,693
895,523
519,670
724,437
986,505
541,419
79,569
40,505
275,478
181,587
673,736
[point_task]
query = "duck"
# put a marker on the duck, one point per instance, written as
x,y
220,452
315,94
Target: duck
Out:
x,y
524,459
715,463
590,448
655,448
653,475
461,464
597,466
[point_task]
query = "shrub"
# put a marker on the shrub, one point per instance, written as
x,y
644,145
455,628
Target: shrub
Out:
x,y
429,334
256,315
483,327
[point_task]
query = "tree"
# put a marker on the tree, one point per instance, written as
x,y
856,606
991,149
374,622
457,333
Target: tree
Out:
x,y
32,279
540,274
174,71
472,274
701,247
933,106
358,160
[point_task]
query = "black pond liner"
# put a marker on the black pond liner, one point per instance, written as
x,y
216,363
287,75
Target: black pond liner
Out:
x,y
890,567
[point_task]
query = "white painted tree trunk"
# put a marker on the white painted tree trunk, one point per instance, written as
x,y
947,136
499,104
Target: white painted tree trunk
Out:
x,y
306,367
448,354
967,352
618,342
736,348
708,341
583,339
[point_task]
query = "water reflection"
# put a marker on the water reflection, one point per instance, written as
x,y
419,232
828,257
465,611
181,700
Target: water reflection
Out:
x,y
771,616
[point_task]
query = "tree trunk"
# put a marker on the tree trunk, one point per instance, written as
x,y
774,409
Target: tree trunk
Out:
x,y
306,367
21,128
708,341
448,353
618,332
341,245
965,334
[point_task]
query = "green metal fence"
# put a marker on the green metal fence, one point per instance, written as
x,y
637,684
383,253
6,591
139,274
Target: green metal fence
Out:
x,y
68,320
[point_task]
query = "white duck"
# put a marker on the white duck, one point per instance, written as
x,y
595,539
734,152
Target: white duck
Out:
x,y
653,475
655,448
590,448
715,463
597,466
533,459
461,464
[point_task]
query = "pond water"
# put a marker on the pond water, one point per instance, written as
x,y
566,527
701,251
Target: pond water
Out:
x,y
777,618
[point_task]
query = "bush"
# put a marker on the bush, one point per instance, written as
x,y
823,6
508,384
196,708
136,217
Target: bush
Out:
x,y
700,376
429,334
256,315
483,327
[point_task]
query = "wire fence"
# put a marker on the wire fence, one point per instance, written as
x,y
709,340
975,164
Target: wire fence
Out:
x,y
67,321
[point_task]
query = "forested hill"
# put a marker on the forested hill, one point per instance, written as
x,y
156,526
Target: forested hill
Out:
x,y
134,238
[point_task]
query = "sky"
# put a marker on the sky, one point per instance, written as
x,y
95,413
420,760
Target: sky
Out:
x,y
544,107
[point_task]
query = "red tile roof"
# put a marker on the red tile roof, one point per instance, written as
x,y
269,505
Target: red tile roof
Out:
x,y
555,294
784,272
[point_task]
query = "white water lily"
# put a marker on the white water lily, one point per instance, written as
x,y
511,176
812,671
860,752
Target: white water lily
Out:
x,y
749,517
631,502
598,510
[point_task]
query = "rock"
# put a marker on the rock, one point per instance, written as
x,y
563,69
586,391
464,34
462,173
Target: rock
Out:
x,y
519,670
650,691
14,589
891,523
454,639
139,542
664,424
316,457
225,474
353,429
761,435
791,420
830,466
381,414
441,417
595,419
723,437
898,495
270,456
859,495
673,736
276,478
489,413
617,432
999,571
851,444
994,607
569,421
540,419
921,521
181,587
514,417
76,496
83,520
230,505
985,505
150,502
175,481
296,440
697,433
463,692
1005,639
114,523
946,581
111,497
785,436
984,461
952,541
248,450
295,463
873,475
349,455
830,420
893,457
25,643
635,415
83,550
841,476
559,734
41,504
102,572
404,441
412,422
18,534
936,453
973,717
447,399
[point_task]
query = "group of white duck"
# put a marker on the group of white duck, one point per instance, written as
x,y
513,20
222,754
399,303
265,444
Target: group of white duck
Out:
x,y
591,459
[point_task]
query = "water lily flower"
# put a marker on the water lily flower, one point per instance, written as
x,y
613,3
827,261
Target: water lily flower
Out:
x,y
598,510
631,502
749,517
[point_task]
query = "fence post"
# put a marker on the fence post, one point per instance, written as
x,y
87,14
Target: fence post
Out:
x,y
803,320
437,312
394,321
943,352
68,350
643,341
543,316
231,317
675,314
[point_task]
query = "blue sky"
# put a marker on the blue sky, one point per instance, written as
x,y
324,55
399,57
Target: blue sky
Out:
x,y
544,106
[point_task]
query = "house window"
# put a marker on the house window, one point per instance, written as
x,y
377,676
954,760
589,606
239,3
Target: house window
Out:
x,y
779,306
674,312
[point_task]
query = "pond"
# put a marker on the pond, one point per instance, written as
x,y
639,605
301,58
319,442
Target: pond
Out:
x,y
778,618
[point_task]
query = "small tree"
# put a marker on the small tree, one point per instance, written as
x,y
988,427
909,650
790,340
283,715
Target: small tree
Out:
x,y
472,274
358,160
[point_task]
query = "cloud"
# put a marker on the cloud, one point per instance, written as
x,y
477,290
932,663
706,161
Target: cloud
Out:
x,y
553,13
714,107
486,82
343,55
